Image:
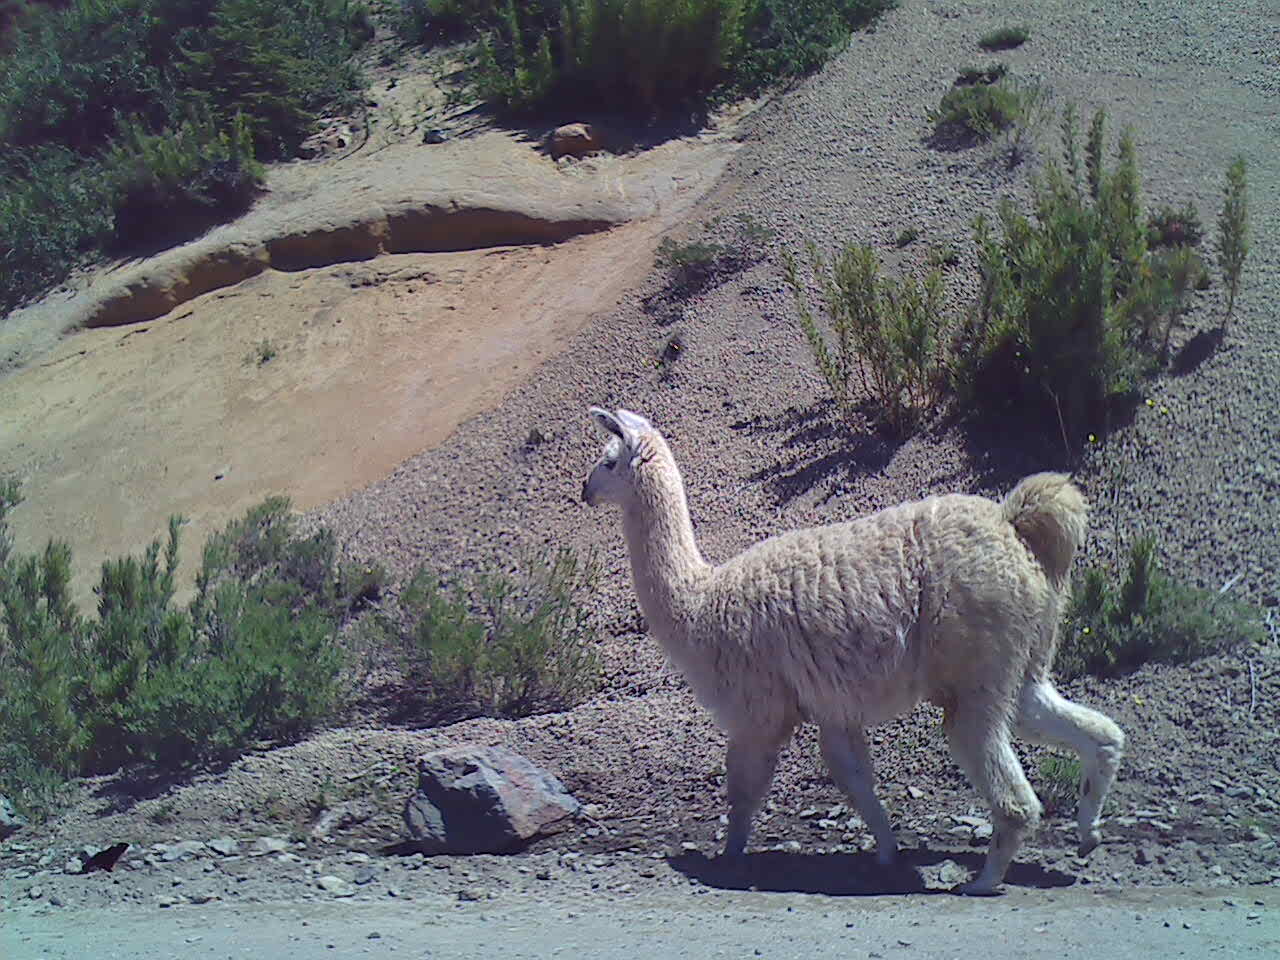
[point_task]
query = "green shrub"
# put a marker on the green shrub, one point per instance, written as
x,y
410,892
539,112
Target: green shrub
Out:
x,y
1233,229
253,657
697,264
509,647
1067,297
642,56
1058,786
1169,227
98,116
175,183
1015,108
888,334
1005,38
1114,626
969,76
791,38
54,208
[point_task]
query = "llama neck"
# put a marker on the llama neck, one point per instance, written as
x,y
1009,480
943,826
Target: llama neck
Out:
x,y
666,565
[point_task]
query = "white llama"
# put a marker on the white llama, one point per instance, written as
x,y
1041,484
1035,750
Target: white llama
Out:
x,y
953,599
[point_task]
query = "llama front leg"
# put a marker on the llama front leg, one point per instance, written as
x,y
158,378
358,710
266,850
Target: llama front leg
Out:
x,y
749,767
849,760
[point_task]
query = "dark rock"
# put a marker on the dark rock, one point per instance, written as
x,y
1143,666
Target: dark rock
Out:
x,y
483,800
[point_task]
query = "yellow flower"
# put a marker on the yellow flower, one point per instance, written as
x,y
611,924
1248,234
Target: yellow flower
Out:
x,y
1085,630
1150,402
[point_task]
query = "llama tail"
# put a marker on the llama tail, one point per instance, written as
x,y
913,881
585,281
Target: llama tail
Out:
x,y
1049,513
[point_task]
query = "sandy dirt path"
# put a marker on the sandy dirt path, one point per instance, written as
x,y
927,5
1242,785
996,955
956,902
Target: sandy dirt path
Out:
x,y
1074,923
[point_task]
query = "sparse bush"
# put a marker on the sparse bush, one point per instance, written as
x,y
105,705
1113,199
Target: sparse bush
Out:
x,y
176,183
1068,298
129,78
907,237
943,255
509,647
1169,227
1016,109
1114,626
983,110
649,55
1005,38
969,76
1059,783
698,264
887,334
253,657
1233,229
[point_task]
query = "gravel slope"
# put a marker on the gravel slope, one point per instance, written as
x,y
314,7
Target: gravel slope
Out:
x,y
843,157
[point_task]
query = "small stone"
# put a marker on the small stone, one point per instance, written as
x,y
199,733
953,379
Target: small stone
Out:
x,y
915,793
265,845
364,875
335,885
168,901
470,894
543,874
374,935
224,846
55,900
35,893
186,850
73,866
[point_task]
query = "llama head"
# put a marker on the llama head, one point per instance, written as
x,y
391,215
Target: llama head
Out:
x,y
612,480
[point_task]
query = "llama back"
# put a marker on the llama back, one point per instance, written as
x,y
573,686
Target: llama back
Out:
x,y
1049,513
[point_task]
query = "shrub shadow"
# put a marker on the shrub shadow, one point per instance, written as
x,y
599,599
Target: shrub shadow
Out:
x,y
847,874
841,453
1006,442
1197,350
952,138
124,790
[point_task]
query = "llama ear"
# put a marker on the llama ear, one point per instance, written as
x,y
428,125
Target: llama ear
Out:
x,y
633,422
606,421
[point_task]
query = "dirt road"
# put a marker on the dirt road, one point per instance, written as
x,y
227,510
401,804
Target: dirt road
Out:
x,y
699,923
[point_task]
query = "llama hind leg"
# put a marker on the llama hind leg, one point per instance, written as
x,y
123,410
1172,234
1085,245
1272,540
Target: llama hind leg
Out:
x,y
849,760
980,744
749,767
1045,716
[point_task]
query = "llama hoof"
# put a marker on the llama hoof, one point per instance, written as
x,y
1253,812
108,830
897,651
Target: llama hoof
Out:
x,y
1087,842
979,888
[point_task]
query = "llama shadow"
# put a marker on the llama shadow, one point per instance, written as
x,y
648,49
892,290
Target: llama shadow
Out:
x,y
847,874
828,451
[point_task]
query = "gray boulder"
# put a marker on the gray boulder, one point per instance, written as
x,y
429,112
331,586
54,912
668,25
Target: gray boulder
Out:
x,y
483,800
10,820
